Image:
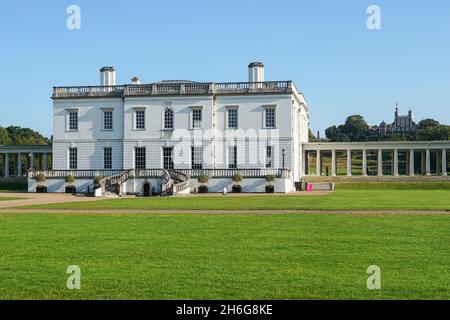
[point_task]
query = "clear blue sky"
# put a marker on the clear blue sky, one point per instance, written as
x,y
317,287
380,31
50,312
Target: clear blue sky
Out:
x,y
324,46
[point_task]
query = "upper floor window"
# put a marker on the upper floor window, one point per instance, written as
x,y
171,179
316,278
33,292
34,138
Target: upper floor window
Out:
x,y
107,120
197,118
233,118
73,120
73,158
168,119
139,119
269,117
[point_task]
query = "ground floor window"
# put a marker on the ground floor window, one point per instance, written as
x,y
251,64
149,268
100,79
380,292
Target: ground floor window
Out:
x,y
139,158
73,158
107,158
269,156
232,157
168,158
197,157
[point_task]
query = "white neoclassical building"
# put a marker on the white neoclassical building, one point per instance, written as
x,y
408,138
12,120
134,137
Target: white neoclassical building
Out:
x,y
166,134
255,128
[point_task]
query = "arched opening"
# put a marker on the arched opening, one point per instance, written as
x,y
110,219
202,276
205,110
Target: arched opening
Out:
x,y
147,189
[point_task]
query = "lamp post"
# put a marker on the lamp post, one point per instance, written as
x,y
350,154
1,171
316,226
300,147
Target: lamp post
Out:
x,y
283,152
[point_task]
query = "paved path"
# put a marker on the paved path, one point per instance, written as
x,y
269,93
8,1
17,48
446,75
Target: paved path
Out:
x,y
231,212
29,199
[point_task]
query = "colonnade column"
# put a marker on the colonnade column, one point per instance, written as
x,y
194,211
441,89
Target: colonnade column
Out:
x,y
349,163
45,162
428,163
364,162
19,165
333,163
444,162
318,164
31,161
380,162
6,165
396,163
411,162
303,167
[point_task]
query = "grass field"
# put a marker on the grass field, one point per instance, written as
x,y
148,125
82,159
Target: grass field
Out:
x,y
349,196
8,198
224,257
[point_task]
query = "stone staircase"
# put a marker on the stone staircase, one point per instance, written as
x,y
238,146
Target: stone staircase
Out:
x,y
173,182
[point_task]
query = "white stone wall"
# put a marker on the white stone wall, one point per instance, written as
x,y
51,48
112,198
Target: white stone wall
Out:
x,y
90,138
90,154
251,137
135,186
59,185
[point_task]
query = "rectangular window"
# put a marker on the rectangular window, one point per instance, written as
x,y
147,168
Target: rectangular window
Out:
x,y
270,118
140,119
168,119
232,157
107,120
168,158
269,157
73,158
73,120
196,118
139,158
107,158
233,118
197,157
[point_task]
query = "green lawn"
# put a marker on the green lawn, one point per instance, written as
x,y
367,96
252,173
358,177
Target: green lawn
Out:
x,y
224,256
346,197
8,198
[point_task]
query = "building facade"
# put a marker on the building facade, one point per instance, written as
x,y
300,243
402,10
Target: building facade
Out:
x,y
181,125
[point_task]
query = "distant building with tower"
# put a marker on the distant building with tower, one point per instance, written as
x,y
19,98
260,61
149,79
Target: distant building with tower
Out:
x,y
401,124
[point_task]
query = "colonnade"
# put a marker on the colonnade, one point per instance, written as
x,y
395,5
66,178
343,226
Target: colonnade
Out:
x,y
14,160
410,152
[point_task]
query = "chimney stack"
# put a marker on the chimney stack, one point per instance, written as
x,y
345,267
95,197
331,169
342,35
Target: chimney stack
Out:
x,y
256,72
107,76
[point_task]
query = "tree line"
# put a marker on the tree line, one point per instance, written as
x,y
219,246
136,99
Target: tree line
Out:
x,y
356,129
16,136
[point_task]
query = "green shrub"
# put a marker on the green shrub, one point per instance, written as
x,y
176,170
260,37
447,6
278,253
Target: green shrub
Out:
x,y
70,179
203,179
98,179
237,178
270,178
40,178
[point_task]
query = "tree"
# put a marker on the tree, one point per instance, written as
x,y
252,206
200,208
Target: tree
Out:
x,y
25,136
4,137
331,133
428,123
356,128
21,136
311,135
434,133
